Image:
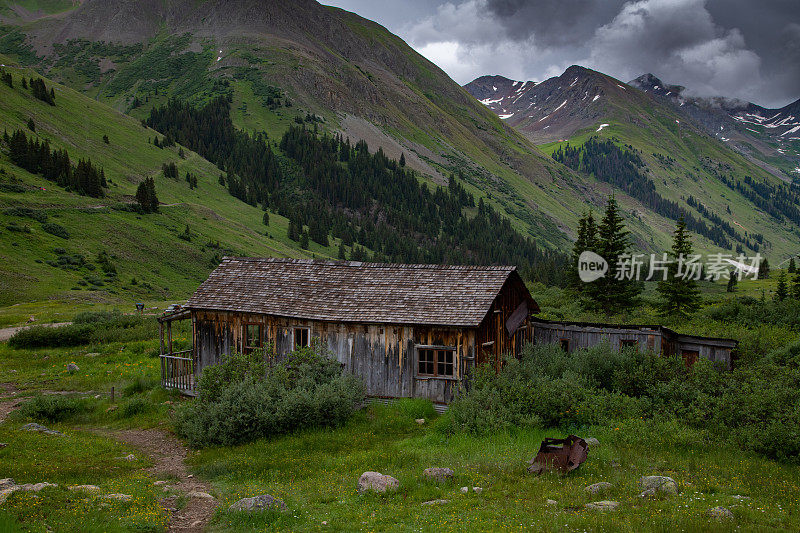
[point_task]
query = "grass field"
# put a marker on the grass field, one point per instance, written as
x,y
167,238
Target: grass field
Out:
x,y
315,471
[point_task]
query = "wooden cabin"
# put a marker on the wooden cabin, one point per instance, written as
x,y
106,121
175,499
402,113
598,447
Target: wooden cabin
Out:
x,y
659,339
407,330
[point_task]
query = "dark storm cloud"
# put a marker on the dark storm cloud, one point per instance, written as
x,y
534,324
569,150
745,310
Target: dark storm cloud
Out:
x,y
553,22
747,49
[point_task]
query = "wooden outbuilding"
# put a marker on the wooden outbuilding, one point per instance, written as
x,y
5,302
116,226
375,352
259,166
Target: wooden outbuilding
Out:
x,y
658,339
407,330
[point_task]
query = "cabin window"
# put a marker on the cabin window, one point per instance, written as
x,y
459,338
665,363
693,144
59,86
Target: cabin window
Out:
x,y
302,338
628,343
564,343
252,337
436,362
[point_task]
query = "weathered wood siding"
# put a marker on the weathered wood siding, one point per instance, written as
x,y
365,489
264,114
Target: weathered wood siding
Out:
x,y
713,350
493,340
384,356
588,336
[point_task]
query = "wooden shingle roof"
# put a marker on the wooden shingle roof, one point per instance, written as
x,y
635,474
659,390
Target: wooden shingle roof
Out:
x,y
350,291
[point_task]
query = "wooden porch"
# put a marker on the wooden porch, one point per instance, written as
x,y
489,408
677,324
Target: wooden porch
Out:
x,y
177,367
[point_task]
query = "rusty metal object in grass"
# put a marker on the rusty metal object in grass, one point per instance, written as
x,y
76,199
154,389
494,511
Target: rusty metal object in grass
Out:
x,y
559,455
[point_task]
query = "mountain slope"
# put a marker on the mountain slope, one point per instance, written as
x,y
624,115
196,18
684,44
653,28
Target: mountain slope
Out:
x,y
280,60
155,250
683,163
770,137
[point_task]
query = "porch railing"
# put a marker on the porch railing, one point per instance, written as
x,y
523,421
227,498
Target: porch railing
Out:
x,y
177,371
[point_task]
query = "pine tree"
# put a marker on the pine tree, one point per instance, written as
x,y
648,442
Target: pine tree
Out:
x,y
763,269
679,293
304,240
146,196
609,293
402,159
782,290
587,237
266,218
796,286
342,254
293,231
733,280
792,267
31,125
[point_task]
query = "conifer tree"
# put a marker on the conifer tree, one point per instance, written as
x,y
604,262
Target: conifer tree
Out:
x,y
609,293
763,269
402,159
792,267
796,286
781,291
266,218
304,240
680,295
342,254
587,237
733,280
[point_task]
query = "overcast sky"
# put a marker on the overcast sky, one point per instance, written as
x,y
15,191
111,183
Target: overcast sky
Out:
x,y
747,49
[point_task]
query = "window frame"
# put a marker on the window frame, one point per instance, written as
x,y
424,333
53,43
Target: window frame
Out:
x,y
307,332
246,347
628,343
439,357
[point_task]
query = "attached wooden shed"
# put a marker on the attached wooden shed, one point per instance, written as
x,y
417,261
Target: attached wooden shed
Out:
x,y
659,339
407,330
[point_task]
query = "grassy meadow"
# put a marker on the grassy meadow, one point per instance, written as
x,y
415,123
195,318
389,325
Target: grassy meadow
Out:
x,y
315,470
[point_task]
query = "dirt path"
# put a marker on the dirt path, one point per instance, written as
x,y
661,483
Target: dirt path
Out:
x,y
169,454
7,400
7,333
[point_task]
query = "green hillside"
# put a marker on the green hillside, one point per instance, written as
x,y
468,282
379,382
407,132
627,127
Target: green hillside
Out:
x,y
151,249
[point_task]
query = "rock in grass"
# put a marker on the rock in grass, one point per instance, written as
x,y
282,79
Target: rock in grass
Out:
x,y
41,429
6,483
551,502
720,513
419,421
436,502
118,497
438,474
605,505
377,482
464,490
130,457
72,368
93,489
263,502
11,487
591,441
477,490
598,487
653,484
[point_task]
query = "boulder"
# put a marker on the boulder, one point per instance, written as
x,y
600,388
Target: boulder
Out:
x,y
41,429
262,502
720,513
477,490
420,421
591,441
464,490
438,474
551,502
118,497
6,483
94,489
72,368
596,488
436,502
605,505
11,488
653,484
377,482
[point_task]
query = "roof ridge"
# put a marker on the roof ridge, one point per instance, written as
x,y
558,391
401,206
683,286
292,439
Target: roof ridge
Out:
x,y
368,264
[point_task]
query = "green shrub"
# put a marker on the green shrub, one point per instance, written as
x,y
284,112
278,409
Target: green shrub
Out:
x,y
56,229
53,408
135,406
51,337
243,398
415,408
757,407
26,212
139,385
